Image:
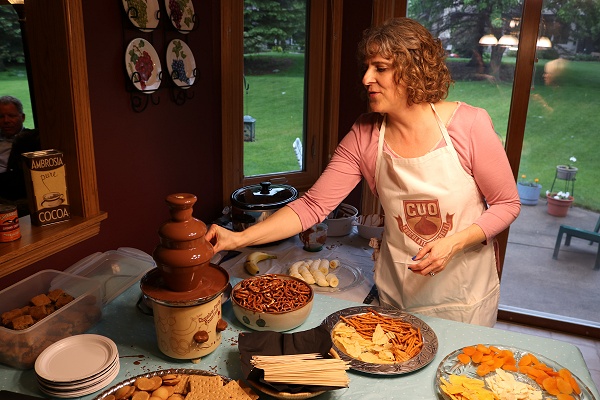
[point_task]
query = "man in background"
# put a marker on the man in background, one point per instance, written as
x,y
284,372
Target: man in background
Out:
x,y
14,140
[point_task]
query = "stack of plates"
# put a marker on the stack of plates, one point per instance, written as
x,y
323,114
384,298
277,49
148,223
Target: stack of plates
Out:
x,y
77,366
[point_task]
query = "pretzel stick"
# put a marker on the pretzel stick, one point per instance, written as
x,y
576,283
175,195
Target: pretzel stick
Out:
x,y
405,337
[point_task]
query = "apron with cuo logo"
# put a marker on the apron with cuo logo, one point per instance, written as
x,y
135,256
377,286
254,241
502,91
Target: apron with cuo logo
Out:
x,y
427,198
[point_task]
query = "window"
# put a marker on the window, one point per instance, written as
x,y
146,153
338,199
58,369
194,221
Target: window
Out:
x,y
320,107
59,25
274,74
13,59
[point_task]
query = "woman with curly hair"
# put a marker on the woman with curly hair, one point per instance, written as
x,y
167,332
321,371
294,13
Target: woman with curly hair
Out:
x,y
439,171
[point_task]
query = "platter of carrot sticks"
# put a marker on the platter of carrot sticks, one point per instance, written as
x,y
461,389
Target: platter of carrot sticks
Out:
x,y
380,340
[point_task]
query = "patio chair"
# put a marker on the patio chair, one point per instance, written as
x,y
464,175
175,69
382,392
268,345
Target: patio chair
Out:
x,y
592,236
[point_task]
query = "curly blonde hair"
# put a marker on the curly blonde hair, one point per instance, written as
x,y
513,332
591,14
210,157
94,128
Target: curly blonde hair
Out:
x,y
418,59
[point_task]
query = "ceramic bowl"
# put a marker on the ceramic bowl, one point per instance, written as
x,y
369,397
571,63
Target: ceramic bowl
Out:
x,y
370,226
270,320
340,222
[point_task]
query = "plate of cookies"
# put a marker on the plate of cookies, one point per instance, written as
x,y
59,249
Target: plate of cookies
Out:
x,y
178,384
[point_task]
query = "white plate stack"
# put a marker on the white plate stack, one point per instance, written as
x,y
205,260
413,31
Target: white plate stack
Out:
x,y
77,366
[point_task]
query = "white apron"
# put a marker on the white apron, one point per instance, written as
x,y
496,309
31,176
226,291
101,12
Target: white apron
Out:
x,y
426,198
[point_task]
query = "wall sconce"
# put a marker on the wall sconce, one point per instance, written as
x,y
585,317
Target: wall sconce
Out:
x,y
544,43
488,40
508,41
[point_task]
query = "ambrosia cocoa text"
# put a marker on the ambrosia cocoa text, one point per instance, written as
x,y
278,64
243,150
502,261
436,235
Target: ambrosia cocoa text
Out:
x,y
47,186
50,162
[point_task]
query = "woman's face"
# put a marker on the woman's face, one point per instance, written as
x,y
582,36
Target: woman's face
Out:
x,y
378,80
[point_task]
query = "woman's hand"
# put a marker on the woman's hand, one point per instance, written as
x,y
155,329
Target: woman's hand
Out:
x,y
221,238
435,256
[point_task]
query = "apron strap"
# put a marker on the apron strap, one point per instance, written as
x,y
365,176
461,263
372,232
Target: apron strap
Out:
x,y
380,148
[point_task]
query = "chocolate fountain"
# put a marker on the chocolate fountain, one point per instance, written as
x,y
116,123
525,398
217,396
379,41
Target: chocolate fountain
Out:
x,y
185,288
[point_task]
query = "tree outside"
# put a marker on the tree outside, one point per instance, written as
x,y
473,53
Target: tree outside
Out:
x,y
11,44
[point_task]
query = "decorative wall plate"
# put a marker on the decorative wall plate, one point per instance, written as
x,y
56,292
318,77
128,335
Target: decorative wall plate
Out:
x,y
143,14
181,14
181,63
143,65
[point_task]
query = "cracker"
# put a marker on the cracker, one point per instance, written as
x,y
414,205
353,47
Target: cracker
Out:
x,y
140,395
157,380
205,383
144,383
248,390
171,379
161,392
182,386
123,392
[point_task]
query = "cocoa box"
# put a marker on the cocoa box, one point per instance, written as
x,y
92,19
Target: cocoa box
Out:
x,y
45,177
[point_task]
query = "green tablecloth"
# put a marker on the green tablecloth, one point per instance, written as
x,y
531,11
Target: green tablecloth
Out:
x,y
133,332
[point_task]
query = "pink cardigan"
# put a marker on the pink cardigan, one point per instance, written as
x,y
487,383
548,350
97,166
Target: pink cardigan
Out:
x,y
479,149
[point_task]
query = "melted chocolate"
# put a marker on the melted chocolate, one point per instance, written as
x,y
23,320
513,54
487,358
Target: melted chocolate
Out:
x,y
213,282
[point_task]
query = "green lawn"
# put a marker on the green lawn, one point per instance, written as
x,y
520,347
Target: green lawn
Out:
x,y
275,100
561,122
14,83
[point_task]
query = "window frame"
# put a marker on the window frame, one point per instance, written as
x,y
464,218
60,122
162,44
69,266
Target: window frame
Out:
x,y
323,74
63,110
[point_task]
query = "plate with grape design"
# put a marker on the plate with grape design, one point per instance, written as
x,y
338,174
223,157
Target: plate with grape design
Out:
x,y
143,14
143,65
181,14
181,63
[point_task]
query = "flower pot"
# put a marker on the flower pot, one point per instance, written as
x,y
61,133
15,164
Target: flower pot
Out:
x,y
565,172
559,207
528,194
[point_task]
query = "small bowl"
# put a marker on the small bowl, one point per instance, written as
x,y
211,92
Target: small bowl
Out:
x,y
271,320
370,226
340,222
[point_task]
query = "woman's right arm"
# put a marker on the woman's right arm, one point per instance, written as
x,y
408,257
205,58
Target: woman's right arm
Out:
x,y
282,224
353,157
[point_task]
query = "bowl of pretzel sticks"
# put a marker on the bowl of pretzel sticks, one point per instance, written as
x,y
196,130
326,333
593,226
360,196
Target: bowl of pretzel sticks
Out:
x,y
273,302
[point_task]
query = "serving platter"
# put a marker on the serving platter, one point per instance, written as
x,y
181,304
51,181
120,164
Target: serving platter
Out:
x,y
423,358
181,63
143,14
143,65
107,394
348,276
283,395
450,365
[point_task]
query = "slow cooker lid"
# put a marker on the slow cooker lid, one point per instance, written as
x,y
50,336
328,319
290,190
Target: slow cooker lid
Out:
x,y
263,195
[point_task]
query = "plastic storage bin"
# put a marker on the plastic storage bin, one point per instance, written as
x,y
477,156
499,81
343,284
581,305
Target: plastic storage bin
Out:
x,y
94,282
20,348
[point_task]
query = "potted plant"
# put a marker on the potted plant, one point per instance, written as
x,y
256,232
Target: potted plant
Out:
x,y
529,191
559,203
566,171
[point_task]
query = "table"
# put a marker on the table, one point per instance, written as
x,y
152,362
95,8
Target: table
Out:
x,y
134,334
